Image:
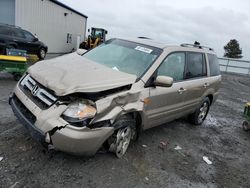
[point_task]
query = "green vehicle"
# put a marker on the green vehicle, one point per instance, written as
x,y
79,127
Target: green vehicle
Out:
x,y
246,115
15,65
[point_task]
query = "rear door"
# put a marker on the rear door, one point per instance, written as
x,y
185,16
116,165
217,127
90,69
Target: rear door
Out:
x,y
19,39
166,103
196,80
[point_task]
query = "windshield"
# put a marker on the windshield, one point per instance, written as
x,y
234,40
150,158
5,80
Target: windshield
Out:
x,y
98,33
124,56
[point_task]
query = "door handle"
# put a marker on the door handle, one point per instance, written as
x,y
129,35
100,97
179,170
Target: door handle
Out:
x,y
181,90
206,85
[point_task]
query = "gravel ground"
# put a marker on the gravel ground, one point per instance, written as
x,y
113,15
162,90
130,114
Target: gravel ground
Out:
x,y
147,162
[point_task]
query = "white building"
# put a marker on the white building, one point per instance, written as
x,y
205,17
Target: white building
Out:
x,y
55,24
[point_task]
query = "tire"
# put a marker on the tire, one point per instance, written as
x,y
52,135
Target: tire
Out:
x,y
125,132
82,45
42,53
200,113
246,126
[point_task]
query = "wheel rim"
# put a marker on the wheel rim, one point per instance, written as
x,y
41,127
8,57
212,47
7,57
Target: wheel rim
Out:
x,y
42,53
203,112
122,142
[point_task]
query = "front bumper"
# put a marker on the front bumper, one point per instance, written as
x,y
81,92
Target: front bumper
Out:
x,y
62,136
27,121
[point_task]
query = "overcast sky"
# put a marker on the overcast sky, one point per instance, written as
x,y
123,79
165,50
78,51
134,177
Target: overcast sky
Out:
x,y
211,22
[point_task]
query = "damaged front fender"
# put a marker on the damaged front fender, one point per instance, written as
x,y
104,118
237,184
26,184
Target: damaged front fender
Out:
x,y
111,107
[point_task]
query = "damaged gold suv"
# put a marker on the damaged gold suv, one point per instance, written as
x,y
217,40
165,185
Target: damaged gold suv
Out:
x,y
79,103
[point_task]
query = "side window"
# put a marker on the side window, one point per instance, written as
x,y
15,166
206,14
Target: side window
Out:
x,y
173,66
196,66
214,65
28,36
69,38
17,33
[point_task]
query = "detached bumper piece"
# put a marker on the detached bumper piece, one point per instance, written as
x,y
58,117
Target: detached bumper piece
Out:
x,y
27,119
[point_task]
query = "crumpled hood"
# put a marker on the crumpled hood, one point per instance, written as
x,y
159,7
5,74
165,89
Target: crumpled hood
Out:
x,y
73,73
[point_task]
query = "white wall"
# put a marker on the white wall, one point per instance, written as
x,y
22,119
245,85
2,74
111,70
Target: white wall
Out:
x,y
47,20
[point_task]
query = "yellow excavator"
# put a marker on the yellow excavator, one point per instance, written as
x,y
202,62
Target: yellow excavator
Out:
x,y
96,37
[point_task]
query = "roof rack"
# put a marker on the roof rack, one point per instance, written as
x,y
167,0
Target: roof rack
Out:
x,y
197,45
3,24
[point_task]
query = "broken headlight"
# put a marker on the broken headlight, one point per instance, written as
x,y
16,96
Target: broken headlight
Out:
x,y
79,112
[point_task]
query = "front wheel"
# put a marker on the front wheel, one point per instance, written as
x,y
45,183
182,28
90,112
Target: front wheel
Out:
x,y
201,112
120,140
42,53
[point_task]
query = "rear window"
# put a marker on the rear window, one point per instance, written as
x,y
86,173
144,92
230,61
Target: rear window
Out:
x,y
214,65
196,66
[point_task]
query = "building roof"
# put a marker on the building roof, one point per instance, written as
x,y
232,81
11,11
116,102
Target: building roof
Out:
x,y
69,8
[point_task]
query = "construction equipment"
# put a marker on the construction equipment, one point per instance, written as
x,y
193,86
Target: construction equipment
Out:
x,y
246,115
15,63
96,37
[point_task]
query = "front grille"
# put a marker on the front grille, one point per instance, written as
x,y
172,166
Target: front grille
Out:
x,y
37,93
26,113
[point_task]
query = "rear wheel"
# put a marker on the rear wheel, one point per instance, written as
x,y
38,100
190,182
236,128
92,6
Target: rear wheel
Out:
x,y
201,112
126,131
42,53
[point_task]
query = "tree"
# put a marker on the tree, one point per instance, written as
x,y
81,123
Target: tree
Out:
x,y
233,50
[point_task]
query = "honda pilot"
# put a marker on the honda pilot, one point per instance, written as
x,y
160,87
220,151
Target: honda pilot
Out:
x,y
104,98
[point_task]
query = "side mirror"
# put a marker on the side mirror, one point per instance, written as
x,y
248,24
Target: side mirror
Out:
x,y
88,30
164,81
81,51
106,32
35,39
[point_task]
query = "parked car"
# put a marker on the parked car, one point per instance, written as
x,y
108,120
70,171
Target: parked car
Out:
x,y
107,96
16,37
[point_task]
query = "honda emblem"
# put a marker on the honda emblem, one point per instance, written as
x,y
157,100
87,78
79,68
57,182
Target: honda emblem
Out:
x,y
34,90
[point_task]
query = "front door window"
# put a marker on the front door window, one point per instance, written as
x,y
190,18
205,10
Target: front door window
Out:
x,y
173,66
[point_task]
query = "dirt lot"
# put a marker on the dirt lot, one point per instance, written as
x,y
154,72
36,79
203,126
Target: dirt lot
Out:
x,y
221,138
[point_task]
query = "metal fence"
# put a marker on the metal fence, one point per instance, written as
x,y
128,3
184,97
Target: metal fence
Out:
x,y
234,66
